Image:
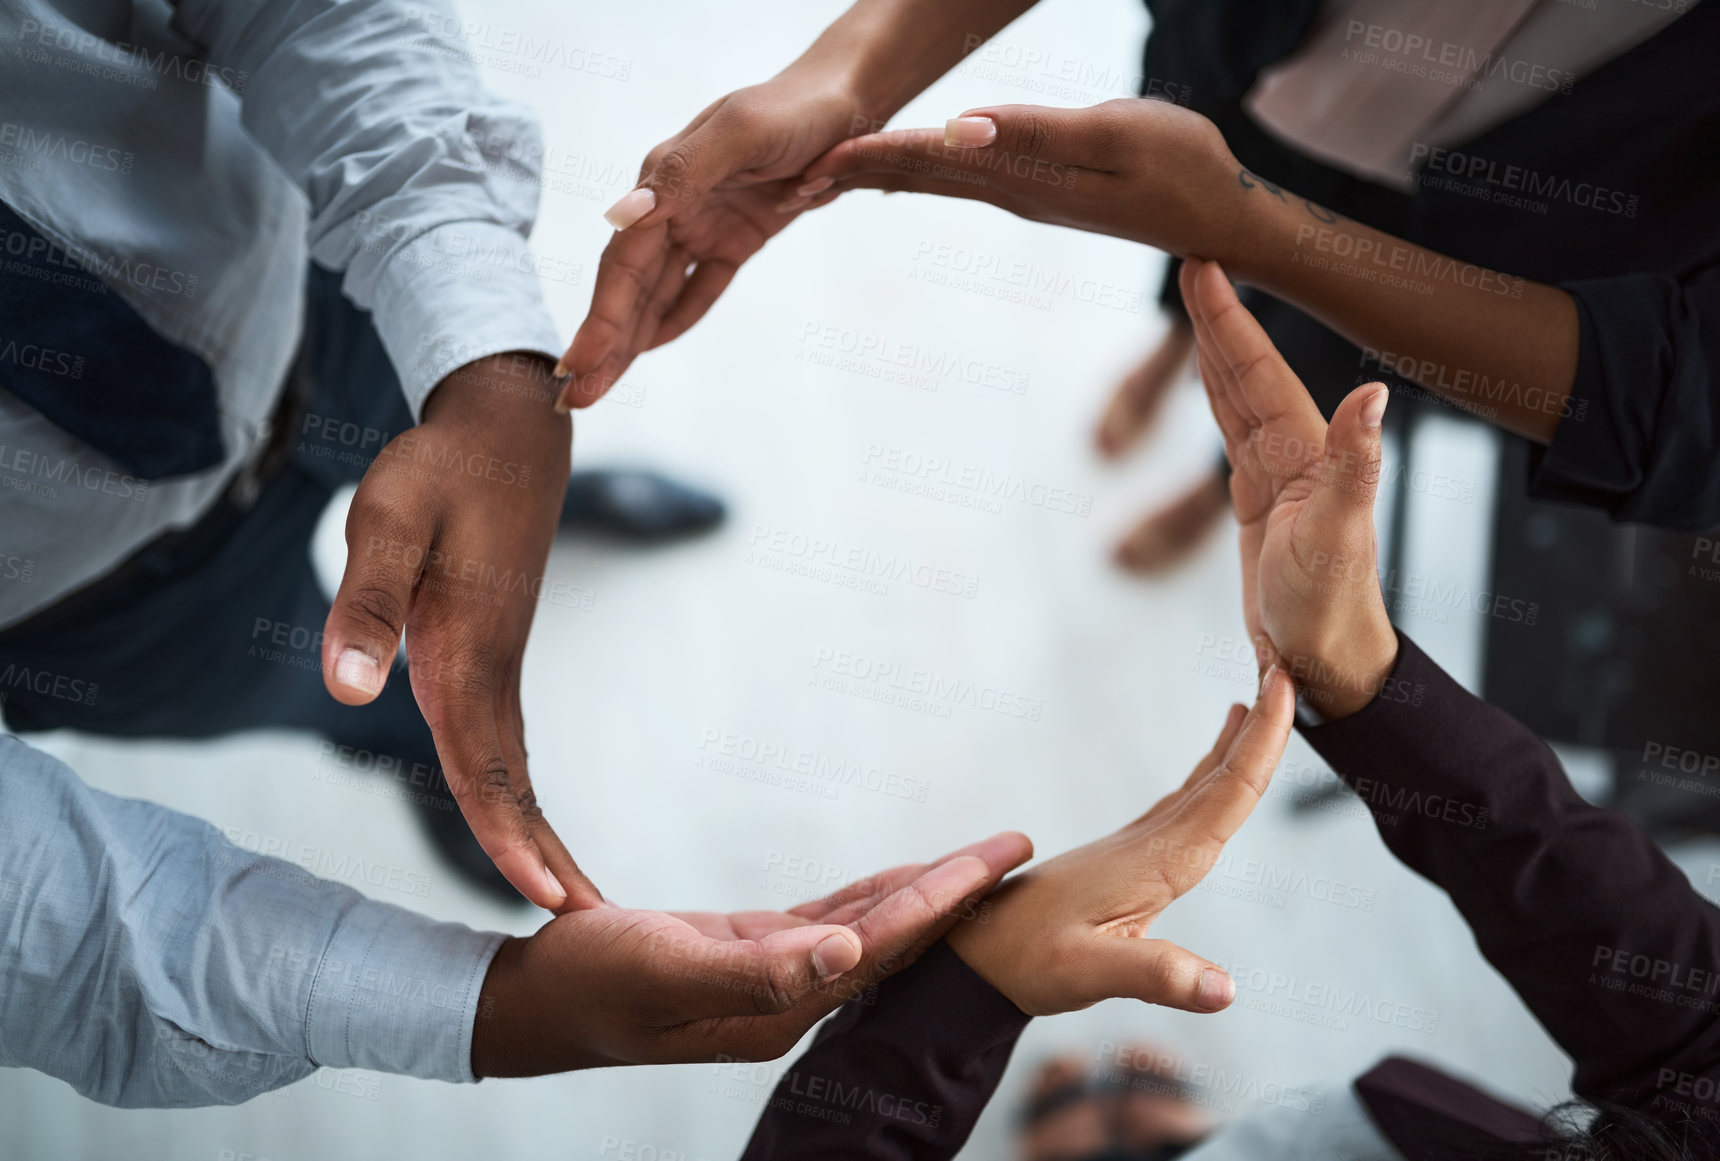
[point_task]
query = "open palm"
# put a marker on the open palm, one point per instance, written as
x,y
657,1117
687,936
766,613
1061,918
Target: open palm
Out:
x,y
1304,498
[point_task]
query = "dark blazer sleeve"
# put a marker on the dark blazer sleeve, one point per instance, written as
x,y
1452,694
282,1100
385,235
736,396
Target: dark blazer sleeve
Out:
x,y
1600,934
906,1076
1640,437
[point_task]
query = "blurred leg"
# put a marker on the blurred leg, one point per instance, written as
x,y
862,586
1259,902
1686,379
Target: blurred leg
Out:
x,y
1167,536
1139,396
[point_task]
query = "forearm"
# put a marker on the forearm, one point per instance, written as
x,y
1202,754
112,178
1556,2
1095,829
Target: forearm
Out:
x,y
422,184
154,964
1500,346
901,1075
891,50
1598,932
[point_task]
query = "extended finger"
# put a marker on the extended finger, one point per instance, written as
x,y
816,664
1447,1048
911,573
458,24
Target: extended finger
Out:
x,y
1002,852
581,892
1270,392
456,693
1226,735
708,281
628,262
1217,807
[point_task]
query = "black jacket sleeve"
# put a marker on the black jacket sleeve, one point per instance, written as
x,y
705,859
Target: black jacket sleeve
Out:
x,y
904,1077
1640,436
1600,934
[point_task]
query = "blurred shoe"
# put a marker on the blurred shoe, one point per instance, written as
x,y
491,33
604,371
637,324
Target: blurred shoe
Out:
x,y
637,505
1141,393
1169,536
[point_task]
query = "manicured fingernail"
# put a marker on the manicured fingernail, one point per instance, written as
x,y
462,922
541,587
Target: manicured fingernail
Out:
x,y
355,670
789,205
969,132
634,204
1266,678
815,187
564,401
949,883
1216,990
833,956
560,371
1374,410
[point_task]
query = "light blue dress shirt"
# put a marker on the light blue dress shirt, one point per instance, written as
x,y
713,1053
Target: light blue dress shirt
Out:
x,y
195,157
148,962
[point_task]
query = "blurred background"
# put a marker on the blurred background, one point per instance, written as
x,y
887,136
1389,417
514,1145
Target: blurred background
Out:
x,y
658,701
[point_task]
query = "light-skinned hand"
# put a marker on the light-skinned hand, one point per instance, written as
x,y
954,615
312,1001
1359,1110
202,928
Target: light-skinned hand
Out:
x,y
1073,931
707,199
1304,500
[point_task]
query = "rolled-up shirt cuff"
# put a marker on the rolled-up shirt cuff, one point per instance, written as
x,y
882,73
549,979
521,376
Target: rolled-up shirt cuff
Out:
x,y
457,293
1601,442
396,992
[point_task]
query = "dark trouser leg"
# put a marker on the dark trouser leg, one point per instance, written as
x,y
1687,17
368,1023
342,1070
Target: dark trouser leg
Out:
x,y
207,633
219,629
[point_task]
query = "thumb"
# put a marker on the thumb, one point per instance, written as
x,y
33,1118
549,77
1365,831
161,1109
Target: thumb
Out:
x,y
762,978
1350,468
362,633
1156,971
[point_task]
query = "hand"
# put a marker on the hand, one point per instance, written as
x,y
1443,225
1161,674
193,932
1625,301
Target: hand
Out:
x,y
1073,931
1139,169
1304,498
707,199
610,986
446,541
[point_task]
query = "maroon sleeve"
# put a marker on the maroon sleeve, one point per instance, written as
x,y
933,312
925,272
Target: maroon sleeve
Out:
x,y
905,1076
1600,934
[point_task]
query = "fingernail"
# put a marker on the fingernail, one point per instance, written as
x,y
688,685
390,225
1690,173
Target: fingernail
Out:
x,y
634,204
552,887
560,371
951,882
815,187
355,670
1216,990
789,205
969,132
1374,410
564,401
1266,678
833,956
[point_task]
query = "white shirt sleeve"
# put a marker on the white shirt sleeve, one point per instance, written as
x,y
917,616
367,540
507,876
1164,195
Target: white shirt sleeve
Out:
x,y
148,962
423,186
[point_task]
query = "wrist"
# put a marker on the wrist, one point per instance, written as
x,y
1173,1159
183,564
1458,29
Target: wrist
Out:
x,y
496,386
1343,679
1254,231
496,1032
526,1025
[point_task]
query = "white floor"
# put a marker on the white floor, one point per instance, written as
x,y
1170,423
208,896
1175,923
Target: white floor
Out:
x,y
708,639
